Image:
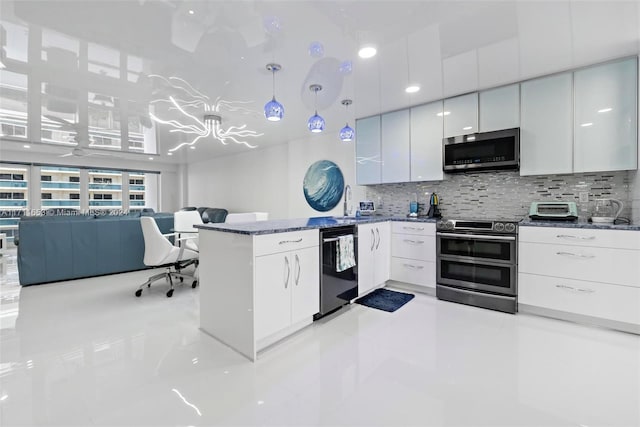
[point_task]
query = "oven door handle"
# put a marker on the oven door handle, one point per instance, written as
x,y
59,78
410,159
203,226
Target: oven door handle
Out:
x,y
476,236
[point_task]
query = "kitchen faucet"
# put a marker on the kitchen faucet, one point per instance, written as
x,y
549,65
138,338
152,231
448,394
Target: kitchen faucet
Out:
x,y
347,196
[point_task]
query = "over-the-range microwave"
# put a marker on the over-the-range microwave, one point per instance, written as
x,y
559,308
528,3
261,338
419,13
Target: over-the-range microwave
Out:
x,y
482,151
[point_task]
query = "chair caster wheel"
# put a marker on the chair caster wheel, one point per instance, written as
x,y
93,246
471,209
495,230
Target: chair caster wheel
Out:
x,y
139,292
170,293
181,279
194,284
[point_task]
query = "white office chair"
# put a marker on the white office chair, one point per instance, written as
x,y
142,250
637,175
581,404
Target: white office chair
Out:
x,y
183,224
159,252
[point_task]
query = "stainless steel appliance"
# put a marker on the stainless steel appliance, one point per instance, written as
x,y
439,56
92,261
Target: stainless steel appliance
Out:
x,y
553,211
482,151
336,288
477,263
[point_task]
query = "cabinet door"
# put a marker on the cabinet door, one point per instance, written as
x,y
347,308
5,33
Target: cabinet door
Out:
x,y
461,115
500,108
606,117
395,146
382,250
368,158
273,275
546,140
305,284
366,246
426,142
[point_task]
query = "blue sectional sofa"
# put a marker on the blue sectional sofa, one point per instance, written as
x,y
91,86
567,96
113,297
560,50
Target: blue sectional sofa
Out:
x,y
64,247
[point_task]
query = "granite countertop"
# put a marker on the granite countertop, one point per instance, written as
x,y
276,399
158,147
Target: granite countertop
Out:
x,y
296,224
579,224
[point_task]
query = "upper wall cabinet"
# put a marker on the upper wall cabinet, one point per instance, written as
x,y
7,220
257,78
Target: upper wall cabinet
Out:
x,y
395,146
368,155
605,123
546,143
461,115
426,142
500,108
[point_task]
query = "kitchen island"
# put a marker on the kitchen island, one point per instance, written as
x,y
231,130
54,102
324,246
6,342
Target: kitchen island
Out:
x,y
260,280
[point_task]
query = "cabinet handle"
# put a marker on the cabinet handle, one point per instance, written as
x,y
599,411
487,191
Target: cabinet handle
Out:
x,y
572,255
288,270
415,242
565,287
282,242
568,236
578,290
586,291
298,272
373,239
414,267
378,232
413,228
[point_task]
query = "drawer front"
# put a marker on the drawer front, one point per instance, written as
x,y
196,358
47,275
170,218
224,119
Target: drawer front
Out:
x,y
413,247
422,273
417,228
621,303
618,266
265,244
617,239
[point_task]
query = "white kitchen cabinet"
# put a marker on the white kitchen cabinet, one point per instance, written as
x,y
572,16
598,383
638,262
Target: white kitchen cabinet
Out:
x,y
413,253
546,131
500,108
395,145
373,255
461,115
287,289
368,151
593,273
605,123
426,142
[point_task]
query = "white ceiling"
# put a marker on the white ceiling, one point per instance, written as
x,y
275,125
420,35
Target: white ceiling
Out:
x,y
448,47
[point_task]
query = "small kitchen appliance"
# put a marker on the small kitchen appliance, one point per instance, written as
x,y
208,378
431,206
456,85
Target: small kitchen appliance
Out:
x,y
367,207
606,211
434,201
553,211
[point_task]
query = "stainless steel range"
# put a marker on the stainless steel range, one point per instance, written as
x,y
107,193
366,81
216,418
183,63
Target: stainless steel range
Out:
x,y
477,263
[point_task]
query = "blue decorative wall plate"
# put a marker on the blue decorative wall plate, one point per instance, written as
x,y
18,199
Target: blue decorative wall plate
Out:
x,y
323,185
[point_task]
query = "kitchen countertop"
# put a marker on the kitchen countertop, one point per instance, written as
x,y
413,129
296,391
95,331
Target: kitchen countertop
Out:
x,y
579,224
296,224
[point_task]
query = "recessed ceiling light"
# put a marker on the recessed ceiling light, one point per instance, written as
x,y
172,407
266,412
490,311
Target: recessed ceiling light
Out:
x,y
605,110
367,52
444,113
584,125
150,158
412,89
169,154
467,128
191,12
26,146
193,147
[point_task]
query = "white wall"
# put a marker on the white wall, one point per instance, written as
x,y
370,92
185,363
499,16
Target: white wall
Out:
x,y
270,179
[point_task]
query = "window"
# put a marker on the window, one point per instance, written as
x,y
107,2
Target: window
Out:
x,y
46,196
74,196
136,196
107,196
97,196
18,196
5,195
13,99
45,178
18,177
5,176
74,179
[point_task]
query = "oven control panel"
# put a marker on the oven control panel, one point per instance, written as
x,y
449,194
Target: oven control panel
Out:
x,y
482,226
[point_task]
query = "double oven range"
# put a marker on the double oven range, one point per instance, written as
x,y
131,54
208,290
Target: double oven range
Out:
x,y
477,263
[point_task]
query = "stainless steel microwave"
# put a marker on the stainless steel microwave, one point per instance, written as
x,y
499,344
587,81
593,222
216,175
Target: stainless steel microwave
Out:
x,y
482,151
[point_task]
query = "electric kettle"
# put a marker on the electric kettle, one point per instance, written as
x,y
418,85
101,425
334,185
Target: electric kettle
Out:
x,y
606,211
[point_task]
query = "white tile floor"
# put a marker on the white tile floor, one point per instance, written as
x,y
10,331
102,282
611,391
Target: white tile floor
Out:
x,y
88,352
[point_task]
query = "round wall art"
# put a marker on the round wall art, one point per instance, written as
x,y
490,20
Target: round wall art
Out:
x,y
323,185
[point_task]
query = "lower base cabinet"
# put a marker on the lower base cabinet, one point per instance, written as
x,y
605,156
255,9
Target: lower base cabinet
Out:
x,y
413,253
286,289
373,255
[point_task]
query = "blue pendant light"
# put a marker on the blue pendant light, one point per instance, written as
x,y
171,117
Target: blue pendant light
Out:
x,y
347,134
273,110
316,122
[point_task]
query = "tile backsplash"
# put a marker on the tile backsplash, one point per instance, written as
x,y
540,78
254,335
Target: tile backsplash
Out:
x,y
502,194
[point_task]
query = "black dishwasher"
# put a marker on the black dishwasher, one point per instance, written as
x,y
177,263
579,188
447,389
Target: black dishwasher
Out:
x,y
337,288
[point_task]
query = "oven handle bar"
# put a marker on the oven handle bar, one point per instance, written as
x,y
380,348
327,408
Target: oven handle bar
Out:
x,y
476,236
335,239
